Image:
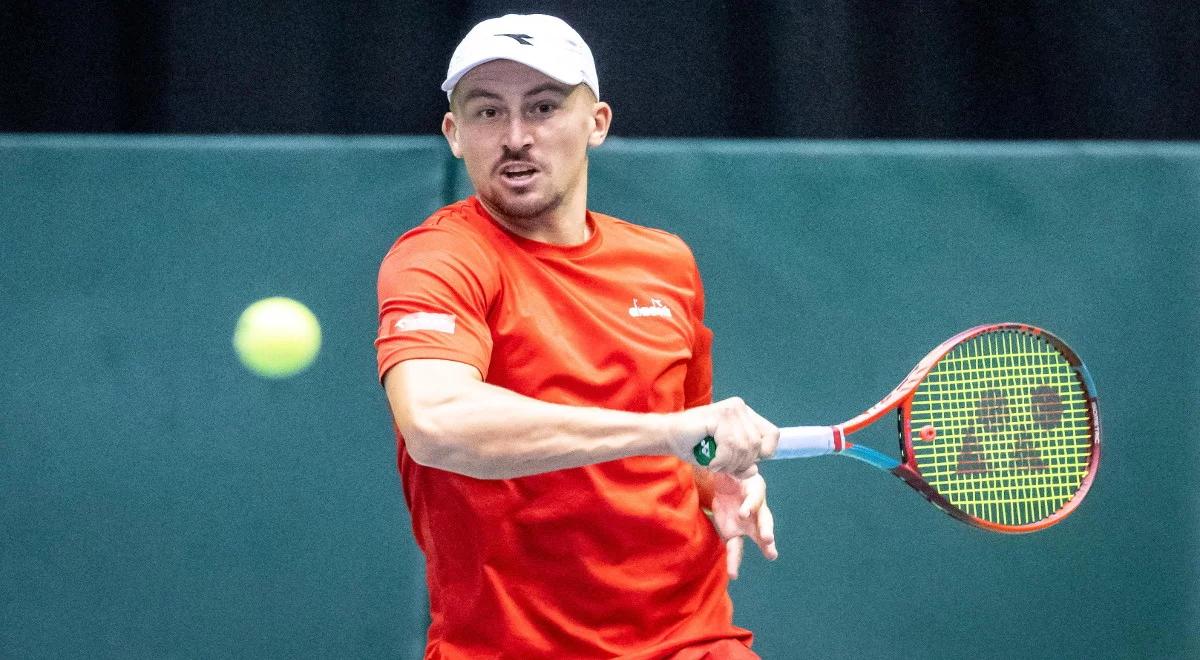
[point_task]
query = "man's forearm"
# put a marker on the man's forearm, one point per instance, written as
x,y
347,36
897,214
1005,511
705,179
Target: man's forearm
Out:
x,y
488,432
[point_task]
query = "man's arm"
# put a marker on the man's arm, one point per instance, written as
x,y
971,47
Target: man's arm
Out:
x,y
452,420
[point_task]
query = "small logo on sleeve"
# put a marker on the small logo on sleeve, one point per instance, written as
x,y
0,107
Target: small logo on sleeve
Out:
x,y
426,321
656,308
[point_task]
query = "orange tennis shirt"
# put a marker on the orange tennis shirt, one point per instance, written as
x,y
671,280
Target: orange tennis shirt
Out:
x,y
608,560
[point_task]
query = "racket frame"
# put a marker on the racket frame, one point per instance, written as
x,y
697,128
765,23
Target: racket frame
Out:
x,y
900,400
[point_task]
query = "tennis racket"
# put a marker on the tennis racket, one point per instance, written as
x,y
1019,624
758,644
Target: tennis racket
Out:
x,y
998,425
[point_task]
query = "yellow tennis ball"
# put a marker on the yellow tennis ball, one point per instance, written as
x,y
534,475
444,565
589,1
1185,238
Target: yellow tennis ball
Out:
x,y
277,337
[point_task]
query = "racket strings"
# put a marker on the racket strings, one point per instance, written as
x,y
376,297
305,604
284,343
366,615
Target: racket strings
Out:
x,y
1013,428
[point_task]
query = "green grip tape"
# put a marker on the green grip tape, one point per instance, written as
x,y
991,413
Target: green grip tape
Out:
x,y
705,451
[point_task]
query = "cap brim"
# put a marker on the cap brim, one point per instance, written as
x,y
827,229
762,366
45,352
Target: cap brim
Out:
x,y
565,75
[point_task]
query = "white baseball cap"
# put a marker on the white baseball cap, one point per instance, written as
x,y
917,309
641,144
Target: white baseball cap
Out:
x,y
538,41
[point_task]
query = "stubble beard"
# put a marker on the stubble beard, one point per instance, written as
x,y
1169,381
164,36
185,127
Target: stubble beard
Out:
x,y
524,210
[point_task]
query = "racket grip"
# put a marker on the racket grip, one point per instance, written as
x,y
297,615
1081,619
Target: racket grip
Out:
x,y
805,442
705,450
794,442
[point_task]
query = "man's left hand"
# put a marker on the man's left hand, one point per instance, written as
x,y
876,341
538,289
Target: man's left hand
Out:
x,y
739,508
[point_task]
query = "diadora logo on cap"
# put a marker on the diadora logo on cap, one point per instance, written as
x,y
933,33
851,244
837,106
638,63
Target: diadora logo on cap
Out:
x,y
523,39
656,308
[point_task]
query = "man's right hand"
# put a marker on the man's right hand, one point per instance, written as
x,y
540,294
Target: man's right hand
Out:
x,y
742,436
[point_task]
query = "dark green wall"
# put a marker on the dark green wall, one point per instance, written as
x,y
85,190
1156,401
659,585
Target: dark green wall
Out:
x,y
156,499
833,267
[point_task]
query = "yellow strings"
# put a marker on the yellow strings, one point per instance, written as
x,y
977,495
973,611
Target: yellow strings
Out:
x,y
1013,428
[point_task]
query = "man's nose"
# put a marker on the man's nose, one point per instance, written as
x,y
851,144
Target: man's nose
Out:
x,y
518,136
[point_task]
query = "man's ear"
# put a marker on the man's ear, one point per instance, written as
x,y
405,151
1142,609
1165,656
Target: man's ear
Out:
x,y
601,121
450,130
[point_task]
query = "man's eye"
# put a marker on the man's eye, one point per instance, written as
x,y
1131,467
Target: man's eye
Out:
x,y
487,113
545,108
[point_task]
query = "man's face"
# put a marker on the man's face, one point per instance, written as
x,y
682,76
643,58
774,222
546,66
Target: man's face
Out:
x,y
524,136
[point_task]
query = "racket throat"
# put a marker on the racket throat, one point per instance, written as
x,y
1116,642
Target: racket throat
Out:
x,y
872,457
865,454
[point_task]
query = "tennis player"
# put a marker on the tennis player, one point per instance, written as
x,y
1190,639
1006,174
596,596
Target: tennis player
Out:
x,y
549,372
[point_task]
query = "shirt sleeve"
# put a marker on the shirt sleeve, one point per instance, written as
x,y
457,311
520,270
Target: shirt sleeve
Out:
x,y
435,287
697,385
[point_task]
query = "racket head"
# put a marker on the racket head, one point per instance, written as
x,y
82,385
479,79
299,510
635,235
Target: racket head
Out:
x,y
999,426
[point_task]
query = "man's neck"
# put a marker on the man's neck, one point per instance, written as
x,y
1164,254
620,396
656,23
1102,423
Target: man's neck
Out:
x,y
564,225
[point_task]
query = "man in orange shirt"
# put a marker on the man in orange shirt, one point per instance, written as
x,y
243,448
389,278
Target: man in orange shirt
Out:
x,y
549,373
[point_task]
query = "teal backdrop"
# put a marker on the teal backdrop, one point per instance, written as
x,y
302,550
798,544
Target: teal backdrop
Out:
x,y
158,500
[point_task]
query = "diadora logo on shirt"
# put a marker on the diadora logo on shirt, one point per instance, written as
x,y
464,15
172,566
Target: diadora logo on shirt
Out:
x,y
656,308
